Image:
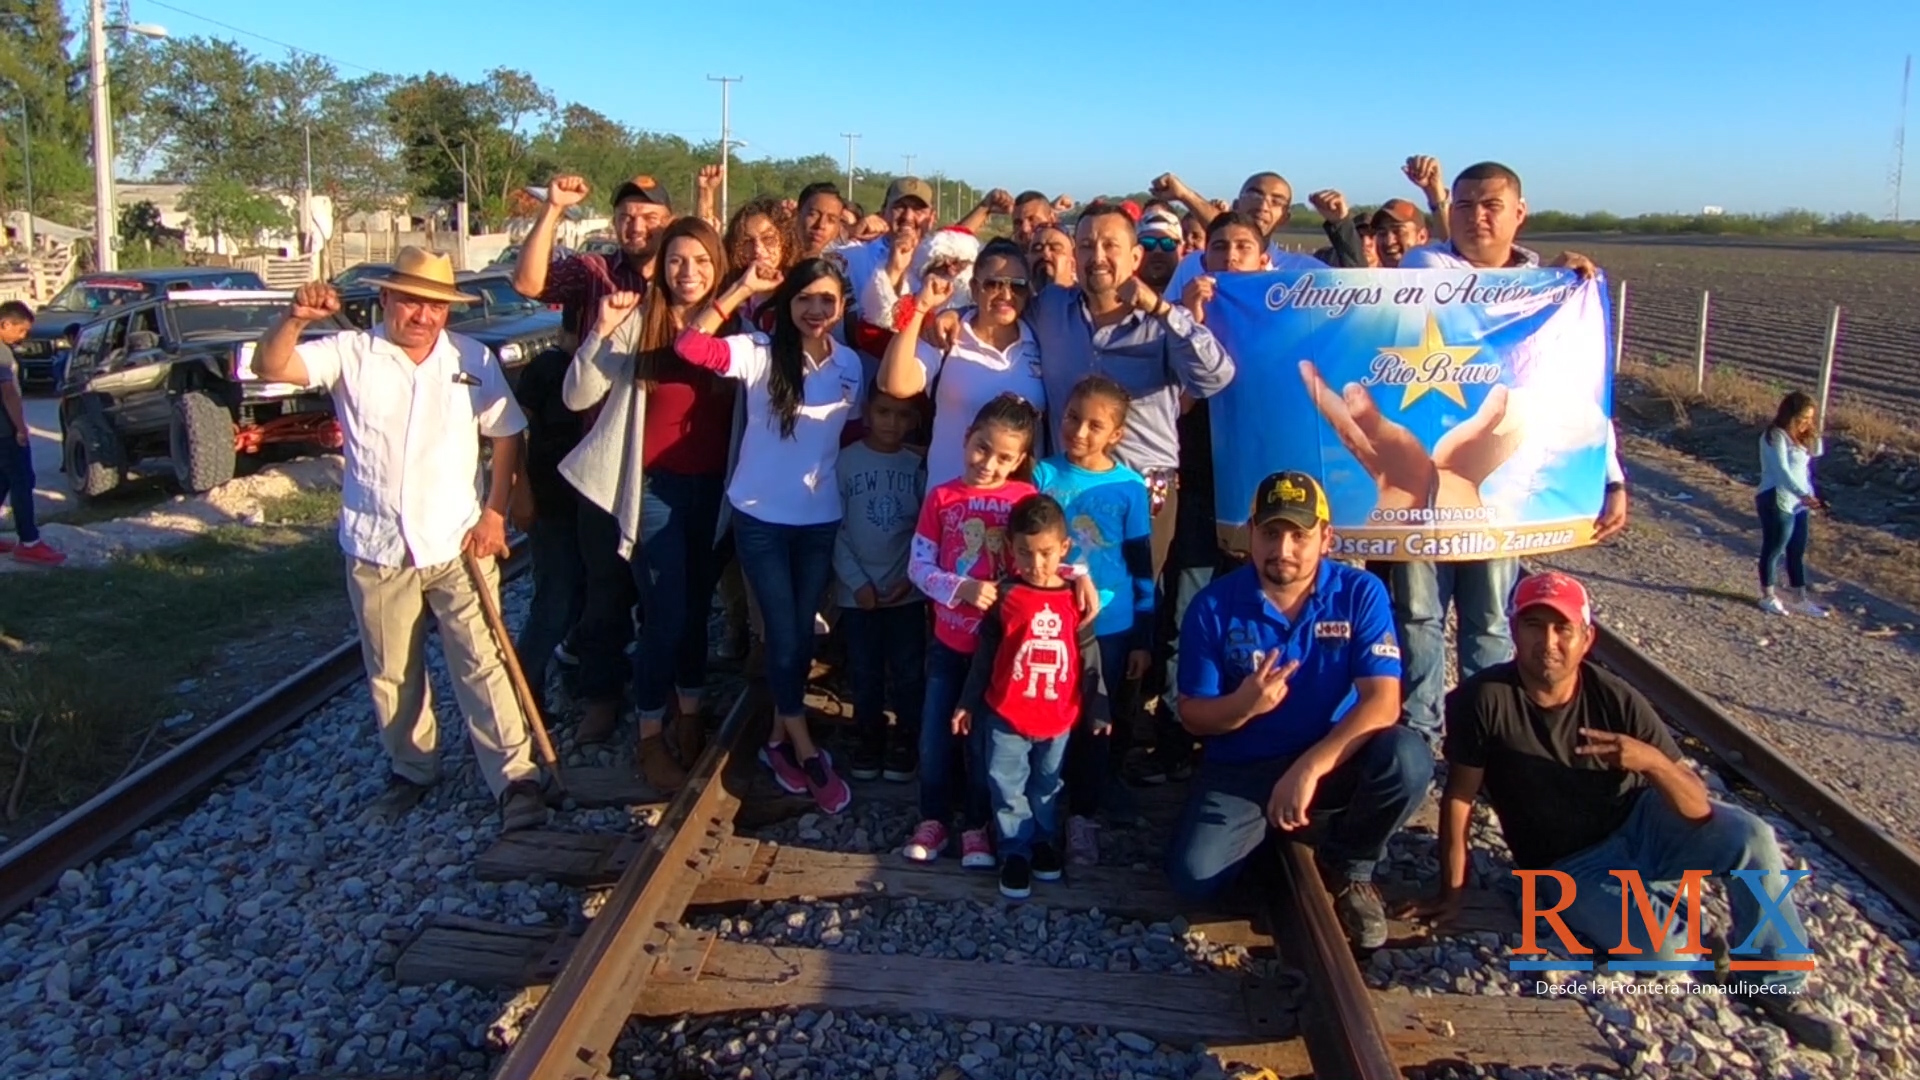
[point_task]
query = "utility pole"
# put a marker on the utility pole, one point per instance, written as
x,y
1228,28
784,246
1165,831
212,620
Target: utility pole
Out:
x,y
460,215
1900,139
726,132
306,193
851,137
909,158
104,256
26,155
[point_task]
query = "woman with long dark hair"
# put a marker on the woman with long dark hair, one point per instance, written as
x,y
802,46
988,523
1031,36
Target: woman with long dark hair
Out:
x,y
656,460
1785,503
760,233
802,387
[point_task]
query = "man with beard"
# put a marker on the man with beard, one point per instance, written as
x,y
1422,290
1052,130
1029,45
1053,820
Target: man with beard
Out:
x,y
1161,247
1050,257
641,209
1398,227
1587,782
1290,677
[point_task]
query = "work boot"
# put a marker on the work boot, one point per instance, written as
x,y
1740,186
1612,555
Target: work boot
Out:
x,y
597,721
1803,1020
398,800
522,807
1361,912
657,767
689,737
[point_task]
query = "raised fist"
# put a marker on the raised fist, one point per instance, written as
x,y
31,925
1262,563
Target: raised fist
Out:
x,y
935,290
999,201
761,279
1425,173
1063,203
616,308
1165,186
1198,292
314,301
709,179
565,191
1331,204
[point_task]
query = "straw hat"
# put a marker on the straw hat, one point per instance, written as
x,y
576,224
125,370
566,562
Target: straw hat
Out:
x,y
420,273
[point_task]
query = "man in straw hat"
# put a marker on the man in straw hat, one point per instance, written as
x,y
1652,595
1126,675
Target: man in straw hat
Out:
x,y
411,399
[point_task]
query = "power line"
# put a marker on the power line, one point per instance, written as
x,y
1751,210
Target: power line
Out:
x,y
271,41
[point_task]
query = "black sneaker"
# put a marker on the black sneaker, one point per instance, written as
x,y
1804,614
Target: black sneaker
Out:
x,y
522,806
902,760
1803,1020
864,762
1016,877
1362,913
1046,863
397,801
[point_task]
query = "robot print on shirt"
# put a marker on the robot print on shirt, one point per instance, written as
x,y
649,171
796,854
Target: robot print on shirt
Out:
x,y
1042,659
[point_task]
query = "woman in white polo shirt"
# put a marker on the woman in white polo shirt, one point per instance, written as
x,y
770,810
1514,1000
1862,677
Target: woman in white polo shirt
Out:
x,y
802,387
994,353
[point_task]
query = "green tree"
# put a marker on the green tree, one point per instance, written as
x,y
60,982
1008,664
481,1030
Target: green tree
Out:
x,y
488,128
229,208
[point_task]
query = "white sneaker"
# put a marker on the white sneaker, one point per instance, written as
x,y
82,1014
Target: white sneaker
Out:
x,y
1771,605
1809,609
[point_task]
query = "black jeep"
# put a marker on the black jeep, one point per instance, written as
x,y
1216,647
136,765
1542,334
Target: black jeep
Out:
x,y
169,377
93,296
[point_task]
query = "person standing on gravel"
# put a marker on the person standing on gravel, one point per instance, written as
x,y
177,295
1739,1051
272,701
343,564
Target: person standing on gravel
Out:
x,y
1587,782
1485,216
1786,502
413,402
1270,657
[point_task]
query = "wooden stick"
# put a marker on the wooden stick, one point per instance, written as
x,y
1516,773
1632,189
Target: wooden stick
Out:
x,y
529,707
20,774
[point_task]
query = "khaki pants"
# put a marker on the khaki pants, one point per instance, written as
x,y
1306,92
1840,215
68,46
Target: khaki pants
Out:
x,y
390,604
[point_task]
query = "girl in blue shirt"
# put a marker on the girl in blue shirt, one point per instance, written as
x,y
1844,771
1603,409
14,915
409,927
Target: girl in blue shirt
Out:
x,y
1110,527
1786,502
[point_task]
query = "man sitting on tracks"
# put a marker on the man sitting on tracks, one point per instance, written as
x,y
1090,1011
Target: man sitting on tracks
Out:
x,y
1587,781
1270,657
414,402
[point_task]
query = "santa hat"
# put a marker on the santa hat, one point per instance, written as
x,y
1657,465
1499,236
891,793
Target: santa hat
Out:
x,y
953,246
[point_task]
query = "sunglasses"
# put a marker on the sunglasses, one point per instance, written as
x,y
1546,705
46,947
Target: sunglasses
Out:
x,y
1160,243
1010,286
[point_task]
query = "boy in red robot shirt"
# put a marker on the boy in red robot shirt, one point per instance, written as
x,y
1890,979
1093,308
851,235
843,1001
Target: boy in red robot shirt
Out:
x,y
1037,667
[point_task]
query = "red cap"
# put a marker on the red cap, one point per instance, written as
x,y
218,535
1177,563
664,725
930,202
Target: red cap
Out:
x,y
1398,210
1132,210
1555,590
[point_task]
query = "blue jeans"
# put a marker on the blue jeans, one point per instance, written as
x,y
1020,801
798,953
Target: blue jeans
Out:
x,y
1662,845
950,765
559,596
1361,803
605,628
886,658
675,569
787,567
1421,592
1781,534
1023,776
16,486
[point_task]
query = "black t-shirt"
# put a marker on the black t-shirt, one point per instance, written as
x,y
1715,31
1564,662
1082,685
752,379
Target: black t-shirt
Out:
x,y
1551,802
1195,543
553,431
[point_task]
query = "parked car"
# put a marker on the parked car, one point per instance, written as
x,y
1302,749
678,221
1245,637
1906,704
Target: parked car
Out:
x,y
169,377
90,296
515,328
354,275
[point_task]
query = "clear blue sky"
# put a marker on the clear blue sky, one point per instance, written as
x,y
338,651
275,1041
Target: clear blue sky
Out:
x,y
1632,106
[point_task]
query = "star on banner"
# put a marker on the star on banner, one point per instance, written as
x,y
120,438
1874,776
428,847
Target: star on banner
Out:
x,y
1419,358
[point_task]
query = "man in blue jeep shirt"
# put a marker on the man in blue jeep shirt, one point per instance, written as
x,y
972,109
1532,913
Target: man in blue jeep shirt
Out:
x,y
1290,677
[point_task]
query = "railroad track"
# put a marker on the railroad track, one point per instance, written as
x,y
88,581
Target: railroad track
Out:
x,y
649,952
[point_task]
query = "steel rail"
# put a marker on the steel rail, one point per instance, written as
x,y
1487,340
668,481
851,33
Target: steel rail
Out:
x,y
578,1022
82,834
1342,1031
1873,852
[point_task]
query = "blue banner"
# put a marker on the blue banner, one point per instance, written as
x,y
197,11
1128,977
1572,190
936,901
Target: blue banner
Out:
x,y
1450,414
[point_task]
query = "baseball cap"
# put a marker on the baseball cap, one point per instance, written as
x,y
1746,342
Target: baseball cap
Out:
x,y
1398,210
909,186
646,189
1555,590
1293,497
1158,222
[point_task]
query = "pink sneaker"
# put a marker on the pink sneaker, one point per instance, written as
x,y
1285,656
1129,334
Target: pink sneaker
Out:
x,y
38,554
976,850
786,769
829,791
928,841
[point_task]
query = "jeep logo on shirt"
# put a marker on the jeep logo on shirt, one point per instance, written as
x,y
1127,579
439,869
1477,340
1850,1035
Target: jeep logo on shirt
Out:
x,y
1341,630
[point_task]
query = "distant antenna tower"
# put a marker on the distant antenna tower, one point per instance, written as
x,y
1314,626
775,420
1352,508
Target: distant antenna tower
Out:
x,y
1900,139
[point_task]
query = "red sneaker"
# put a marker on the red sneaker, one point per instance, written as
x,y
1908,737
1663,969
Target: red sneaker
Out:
x,y
829,791
929,839
38,553
976,849
779,758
